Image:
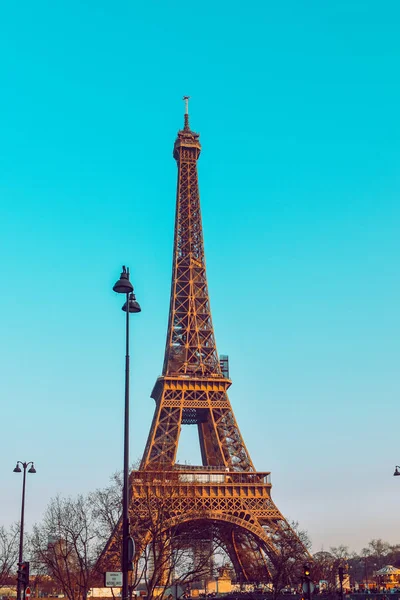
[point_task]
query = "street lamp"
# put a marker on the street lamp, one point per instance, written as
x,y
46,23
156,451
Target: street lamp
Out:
x,y
18,469
396,471
124,286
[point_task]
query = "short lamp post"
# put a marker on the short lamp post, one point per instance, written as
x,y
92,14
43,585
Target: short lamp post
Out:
x,y
124,286
18,469
396,471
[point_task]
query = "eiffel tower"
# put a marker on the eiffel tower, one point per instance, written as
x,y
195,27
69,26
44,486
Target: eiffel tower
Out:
x,y
225,492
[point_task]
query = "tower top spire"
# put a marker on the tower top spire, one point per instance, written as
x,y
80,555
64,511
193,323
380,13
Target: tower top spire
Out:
x,y
186,100
186,137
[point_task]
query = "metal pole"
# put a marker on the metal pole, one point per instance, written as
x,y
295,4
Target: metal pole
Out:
x,y
125,500
21,530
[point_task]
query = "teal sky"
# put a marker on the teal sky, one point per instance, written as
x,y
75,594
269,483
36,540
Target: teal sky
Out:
x,y
297,104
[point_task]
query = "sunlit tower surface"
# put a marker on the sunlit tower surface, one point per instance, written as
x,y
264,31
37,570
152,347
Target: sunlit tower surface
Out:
x,y
225,492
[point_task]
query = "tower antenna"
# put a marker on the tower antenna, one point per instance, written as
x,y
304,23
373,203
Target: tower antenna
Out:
x,y
186,100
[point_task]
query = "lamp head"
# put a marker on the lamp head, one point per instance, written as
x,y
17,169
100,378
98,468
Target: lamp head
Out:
x,y
132,305
396,471
123,285
17,469
32,469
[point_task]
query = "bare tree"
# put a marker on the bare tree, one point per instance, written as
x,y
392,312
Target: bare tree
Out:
x,y
65,545
8,552
340,553
380,551
173,551
393,556
326,566
107,507
373,557
169,551
291,544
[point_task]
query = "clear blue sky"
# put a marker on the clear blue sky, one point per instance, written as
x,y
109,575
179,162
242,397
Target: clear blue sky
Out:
x,y
297,104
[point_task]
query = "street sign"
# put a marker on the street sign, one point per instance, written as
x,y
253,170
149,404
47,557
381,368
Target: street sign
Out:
x,y
27,593
305,586
113,579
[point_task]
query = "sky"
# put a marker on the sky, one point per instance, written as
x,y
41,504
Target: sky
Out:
x,y
297,105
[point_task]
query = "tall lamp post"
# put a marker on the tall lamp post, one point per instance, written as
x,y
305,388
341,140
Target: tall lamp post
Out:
x,y
18,469
124,286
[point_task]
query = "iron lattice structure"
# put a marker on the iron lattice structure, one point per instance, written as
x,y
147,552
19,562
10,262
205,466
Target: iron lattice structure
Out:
x,y
225,492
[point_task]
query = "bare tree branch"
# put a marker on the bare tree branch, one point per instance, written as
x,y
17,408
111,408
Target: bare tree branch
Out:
x,y
8,552
65,545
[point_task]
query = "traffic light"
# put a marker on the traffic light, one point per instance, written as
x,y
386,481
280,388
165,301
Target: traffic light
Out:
x,y
23,573
307,584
